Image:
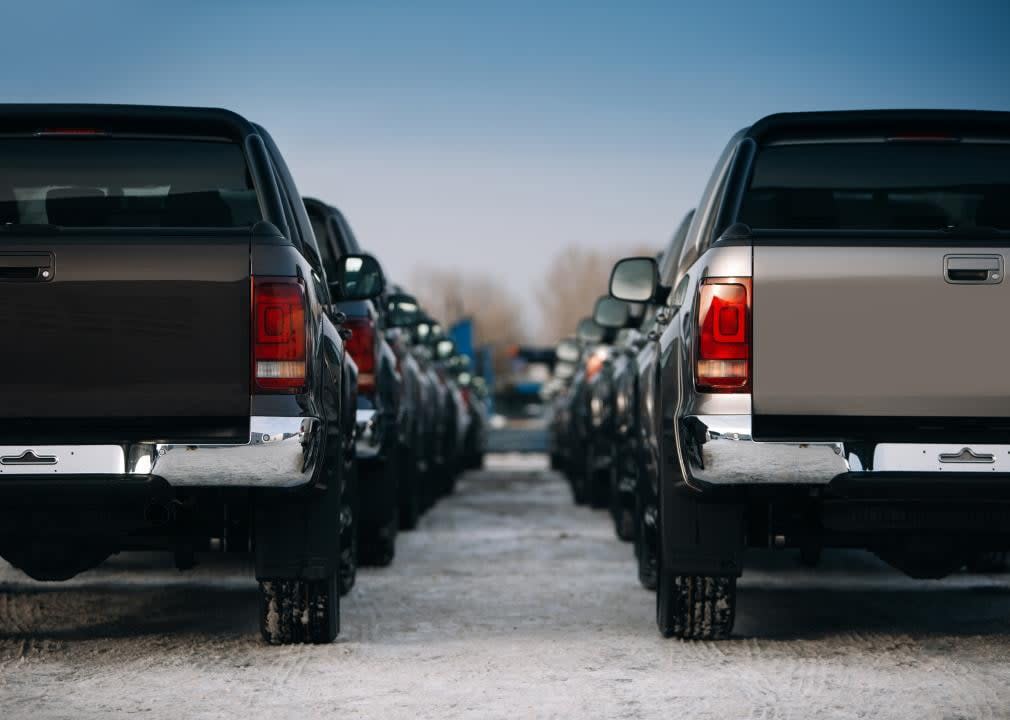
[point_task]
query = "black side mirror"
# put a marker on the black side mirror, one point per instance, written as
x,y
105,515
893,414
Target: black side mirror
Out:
x,y
445,349
611,312
635,279
422,331
589,332
564,370
402,311
567,351
359,277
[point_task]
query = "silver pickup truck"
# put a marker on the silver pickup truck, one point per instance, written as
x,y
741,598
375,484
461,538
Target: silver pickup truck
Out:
x,y
835,365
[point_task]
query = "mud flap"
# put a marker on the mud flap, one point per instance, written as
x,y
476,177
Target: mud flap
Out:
x,y
700,538
297,534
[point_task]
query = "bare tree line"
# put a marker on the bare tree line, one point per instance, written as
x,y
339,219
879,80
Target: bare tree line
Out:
x,y
573,280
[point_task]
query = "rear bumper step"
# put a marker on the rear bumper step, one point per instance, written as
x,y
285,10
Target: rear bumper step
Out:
x,y
719,450
281,452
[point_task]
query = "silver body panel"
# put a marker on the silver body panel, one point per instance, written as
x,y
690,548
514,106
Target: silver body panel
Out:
x,y
281,452
823,345
878,331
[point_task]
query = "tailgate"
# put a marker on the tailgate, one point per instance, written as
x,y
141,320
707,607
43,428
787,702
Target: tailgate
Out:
x,y
880,331
140,330
134,333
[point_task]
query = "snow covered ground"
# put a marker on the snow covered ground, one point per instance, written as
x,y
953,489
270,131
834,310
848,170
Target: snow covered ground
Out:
x,y
508,602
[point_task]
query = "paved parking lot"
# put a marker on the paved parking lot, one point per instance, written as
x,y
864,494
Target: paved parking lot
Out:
x,y
507,602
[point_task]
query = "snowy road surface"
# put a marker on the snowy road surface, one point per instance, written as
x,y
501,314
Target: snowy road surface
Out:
x,y
508,602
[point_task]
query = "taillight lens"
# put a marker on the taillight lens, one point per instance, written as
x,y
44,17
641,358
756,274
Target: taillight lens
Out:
x,y
361,346
724,332
594,363
279,336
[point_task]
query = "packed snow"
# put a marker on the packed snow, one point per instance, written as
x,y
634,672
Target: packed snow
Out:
x,y
507,602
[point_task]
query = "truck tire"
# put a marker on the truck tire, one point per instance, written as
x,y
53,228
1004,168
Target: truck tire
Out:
x,y
408,488
645,545
622,514
380,522
300,611
597,483
348,573
379,552
694,607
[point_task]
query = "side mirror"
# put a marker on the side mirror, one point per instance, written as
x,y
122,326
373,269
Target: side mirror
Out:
x,y
402,310
635,279
422,331
564,370
444,349
611,312
567,351
589,332
359,277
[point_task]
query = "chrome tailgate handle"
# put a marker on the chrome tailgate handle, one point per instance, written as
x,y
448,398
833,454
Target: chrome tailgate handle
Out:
x,y
26,267
973,269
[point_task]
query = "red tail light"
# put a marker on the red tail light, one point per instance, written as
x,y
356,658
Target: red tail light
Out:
x,y
279,336
724,335
69,131
361,346
594,363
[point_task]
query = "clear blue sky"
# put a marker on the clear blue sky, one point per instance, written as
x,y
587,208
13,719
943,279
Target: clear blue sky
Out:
x,y
490,134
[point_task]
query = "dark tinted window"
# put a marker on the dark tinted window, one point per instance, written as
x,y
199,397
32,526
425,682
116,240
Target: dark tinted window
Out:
x,y
125,182
880,185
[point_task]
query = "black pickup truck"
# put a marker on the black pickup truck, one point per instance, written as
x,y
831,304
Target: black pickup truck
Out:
x,y
387,412
172,378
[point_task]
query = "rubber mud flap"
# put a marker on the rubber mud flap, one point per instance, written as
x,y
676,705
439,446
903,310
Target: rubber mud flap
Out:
x,y
297,535
701,538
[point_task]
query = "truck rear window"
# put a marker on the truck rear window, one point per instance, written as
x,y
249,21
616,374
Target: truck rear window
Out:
x,y
125,182
897,185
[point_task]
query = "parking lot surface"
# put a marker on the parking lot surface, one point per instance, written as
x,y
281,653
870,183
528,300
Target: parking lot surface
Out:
x,y
508,601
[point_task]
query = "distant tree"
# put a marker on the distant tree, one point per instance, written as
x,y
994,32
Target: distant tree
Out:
x,y
451,295
572,282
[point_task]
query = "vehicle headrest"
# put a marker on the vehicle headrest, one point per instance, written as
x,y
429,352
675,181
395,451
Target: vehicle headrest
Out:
x,y
918,215
9,211
810,208
994,210
77,206
205,208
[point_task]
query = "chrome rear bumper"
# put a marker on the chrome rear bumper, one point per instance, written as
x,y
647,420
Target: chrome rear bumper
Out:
x,y
281,452
720,450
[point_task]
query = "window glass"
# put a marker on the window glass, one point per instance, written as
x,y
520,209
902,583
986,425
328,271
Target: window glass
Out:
x,y
125,182
880,185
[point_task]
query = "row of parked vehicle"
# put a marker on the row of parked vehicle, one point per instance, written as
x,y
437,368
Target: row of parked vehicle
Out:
x,y
815,359
200,359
